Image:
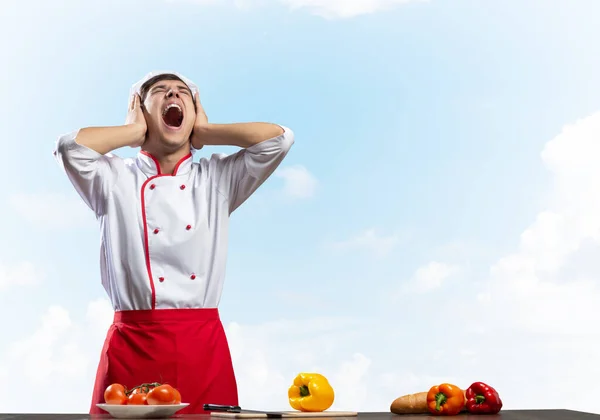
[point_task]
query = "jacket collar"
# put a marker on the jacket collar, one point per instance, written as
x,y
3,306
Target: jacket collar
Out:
x,y
150,166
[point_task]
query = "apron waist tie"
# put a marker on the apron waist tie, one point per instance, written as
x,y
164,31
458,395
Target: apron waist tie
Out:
x,y
166,315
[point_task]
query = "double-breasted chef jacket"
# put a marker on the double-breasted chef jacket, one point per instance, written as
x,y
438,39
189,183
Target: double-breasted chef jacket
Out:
x,y
162,259
164,237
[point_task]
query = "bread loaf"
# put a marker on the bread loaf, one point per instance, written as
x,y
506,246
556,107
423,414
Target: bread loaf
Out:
x,y
410,404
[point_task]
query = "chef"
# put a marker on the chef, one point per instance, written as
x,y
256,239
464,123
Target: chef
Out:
x,y
164,223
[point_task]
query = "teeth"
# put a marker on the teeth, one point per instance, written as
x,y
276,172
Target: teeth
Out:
x,y
172,106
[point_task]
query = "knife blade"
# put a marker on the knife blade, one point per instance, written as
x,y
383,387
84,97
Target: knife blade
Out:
x,y
238,409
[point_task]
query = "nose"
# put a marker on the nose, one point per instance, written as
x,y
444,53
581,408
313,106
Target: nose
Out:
x,y
172,93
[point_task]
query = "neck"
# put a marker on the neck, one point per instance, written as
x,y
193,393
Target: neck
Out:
x,y
167,159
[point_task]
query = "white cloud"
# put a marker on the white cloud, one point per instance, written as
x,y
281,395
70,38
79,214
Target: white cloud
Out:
x,y
431,276
353,374
550,283
298,181
40,366
333,9
61,353
201,2
20,274
52,210
99,315
368,240
328,9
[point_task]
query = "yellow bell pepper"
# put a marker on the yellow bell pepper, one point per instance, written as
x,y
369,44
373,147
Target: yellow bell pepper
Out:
x,y
311,392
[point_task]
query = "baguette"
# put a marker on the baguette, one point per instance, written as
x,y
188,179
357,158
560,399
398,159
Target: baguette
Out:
x,y
410,404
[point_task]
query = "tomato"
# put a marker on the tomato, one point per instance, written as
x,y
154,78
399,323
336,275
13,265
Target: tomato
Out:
x,y
115,394
137,399
177,396
163,395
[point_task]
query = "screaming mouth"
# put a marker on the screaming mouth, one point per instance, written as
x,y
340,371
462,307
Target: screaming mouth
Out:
x,y
173,116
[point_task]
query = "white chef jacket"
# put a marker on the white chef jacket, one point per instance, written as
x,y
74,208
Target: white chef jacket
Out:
x,y
164,237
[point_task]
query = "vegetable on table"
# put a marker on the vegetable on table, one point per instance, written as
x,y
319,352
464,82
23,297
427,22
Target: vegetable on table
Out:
x,y
163,395
145,394
482,399
410,404
311,392
445,400
115,394
137,398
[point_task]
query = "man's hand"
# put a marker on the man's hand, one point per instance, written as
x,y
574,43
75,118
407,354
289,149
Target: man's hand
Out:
x,y
238,134
135,117
107,139
200,123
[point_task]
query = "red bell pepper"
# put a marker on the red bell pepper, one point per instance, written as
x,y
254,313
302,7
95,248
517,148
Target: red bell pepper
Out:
x,y
482,399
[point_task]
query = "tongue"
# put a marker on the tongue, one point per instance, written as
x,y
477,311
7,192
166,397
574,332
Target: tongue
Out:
x,y
173,117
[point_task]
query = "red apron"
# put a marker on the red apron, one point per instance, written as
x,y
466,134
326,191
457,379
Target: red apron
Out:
x,y
186,348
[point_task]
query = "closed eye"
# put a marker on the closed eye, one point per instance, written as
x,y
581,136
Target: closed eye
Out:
x,y
184,89
161,88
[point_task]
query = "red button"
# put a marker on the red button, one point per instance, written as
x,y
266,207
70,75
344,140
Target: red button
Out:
x,y
152,186
188,227
182,187
161,279
155,231
193,276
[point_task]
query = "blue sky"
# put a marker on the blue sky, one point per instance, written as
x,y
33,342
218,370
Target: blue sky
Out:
x,y
421,128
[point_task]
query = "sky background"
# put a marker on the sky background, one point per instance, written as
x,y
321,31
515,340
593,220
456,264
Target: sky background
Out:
x,y
437,220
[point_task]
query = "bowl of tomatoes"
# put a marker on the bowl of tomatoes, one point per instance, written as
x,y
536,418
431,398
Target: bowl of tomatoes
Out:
x,y
148,400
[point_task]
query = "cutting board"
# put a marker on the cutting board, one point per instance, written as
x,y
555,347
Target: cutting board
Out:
x,y
286,414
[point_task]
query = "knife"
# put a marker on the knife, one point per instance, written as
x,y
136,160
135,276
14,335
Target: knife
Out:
x,y
238,409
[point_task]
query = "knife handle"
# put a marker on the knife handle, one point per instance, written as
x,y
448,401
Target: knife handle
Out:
x,y
218,407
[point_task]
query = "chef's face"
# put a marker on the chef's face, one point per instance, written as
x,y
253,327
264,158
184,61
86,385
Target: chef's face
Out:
x,y
170,113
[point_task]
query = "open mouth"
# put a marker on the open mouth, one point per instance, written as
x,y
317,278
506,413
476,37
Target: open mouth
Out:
x,y
173,116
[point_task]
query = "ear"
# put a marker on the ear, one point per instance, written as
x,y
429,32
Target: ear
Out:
x,y
196,101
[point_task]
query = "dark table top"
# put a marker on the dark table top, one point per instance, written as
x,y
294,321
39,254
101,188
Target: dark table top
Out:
x,y
504,415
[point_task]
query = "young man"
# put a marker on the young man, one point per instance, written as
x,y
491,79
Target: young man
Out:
x,y
164,223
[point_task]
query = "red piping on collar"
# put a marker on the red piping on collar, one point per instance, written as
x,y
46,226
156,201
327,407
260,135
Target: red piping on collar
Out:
x,y
158,170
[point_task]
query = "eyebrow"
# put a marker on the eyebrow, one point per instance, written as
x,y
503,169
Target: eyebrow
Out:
x,y
184,87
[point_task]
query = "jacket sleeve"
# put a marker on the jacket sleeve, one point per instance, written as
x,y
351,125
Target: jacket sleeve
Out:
x,y
239,175
91,173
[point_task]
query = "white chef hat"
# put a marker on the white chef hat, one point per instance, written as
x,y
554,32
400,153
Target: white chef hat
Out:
x,y
136,87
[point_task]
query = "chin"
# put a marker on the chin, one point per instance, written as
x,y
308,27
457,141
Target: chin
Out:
x,y
174,142
174,137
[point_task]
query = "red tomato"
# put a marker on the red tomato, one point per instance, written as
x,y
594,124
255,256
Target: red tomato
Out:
x,y
177,396
115,394
137,399
163,395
